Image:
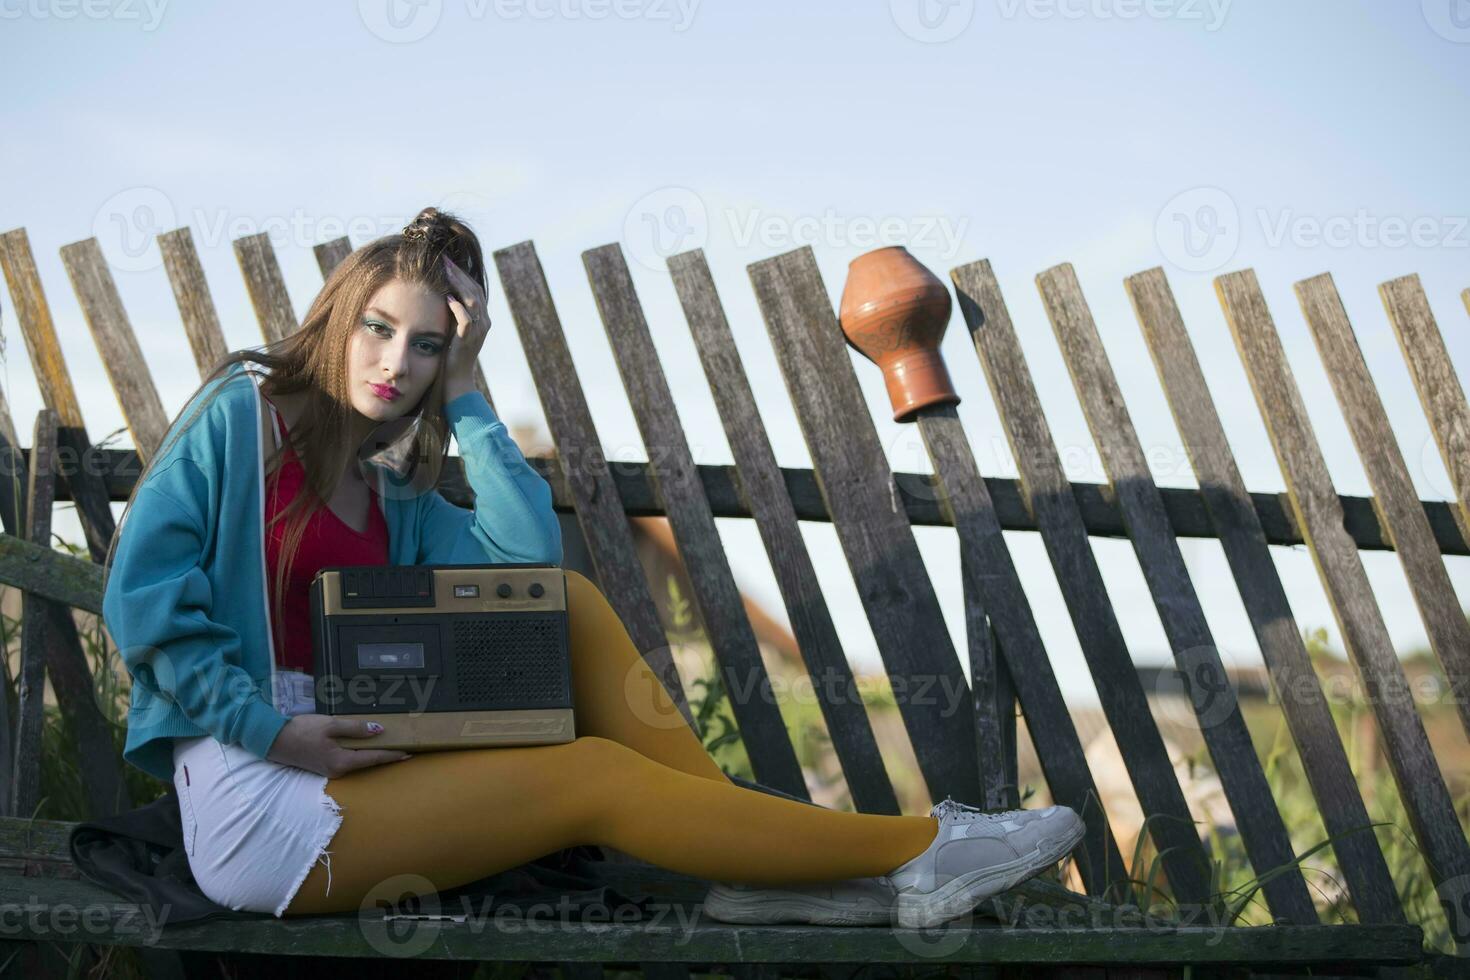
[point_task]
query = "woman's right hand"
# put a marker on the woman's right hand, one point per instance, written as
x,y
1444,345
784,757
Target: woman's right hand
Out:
x,y
307,742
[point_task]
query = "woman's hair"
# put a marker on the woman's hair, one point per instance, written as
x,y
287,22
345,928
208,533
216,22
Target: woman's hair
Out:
x,y
312,362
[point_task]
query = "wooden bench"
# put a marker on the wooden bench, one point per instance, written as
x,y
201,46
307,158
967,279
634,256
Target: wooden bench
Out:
x,y
970,753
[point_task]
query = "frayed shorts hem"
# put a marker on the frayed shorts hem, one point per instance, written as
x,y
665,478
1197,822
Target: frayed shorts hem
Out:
x,y
253,829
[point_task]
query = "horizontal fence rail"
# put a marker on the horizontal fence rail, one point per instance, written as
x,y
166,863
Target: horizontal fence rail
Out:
x,y
1189,516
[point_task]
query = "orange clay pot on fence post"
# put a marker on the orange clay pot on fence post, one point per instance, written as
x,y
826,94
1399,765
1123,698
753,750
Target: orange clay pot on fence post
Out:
x,y
894,312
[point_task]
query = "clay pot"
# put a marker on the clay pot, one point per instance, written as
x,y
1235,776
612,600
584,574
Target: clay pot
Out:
x,y
894,312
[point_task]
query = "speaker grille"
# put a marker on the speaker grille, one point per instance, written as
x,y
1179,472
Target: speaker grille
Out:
x,y
511,663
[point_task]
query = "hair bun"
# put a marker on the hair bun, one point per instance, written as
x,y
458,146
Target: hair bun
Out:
x,y
429,226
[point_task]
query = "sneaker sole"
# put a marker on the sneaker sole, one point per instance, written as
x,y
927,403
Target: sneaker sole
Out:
x,y
766,909
963,893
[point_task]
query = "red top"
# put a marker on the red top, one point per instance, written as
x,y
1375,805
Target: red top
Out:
x,y
327,541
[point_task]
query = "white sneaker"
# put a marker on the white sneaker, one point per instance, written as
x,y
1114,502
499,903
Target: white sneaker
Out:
x,y
849,902
976,855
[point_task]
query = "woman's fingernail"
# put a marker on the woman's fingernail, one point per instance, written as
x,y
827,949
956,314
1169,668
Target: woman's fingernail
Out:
x,y
374,727
407,756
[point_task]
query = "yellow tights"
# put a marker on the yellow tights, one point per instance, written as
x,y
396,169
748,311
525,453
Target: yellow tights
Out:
x,y
636,779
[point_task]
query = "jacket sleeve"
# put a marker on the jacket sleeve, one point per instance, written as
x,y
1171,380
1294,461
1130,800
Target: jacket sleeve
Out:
x,y
512,520
157,606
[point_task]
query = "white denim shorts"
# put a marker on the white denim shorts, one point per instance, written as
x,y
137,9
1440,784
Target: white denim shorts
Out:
x,y
253,828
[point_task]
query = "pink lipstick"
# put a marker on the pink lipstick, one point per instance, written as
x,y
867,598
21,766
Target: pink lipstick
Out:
x,y
386,392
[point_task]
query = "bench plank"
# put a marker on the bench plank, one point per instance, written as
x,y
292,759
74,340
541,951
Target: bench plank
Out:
x,y
1065,536
1221,724
762,487
671,466
1308,715
600,512
875,535
71,911
1422,789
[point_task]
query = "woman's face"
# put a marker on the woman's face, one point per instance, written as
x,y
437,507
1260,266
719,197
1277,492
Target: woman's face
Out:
x,y
394,353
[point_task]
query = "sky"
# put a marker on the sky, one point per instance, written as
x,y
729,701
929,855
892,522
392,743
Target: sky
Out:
x,y
1292,137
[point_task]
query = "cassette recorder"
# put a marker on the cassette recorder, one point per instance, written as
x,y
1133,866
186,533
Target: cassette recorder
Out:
x,y
444,656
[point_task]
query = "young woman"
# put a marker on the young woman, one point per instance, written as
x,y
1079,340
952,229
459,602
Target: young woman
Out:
x,y
262,481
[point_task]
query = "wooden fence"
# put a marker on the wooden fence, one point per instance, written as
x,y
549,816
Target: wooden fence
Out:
x,y
968,753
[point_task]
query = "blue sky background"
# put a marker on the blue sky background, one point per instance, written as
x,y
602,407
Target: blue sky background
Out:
x,y
1111,134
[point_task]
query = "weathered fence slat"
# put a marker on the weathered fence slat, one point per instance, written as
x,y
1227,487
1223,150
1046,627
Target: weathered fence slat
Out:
x,y
1435,380
1422,789
876,538
65,661
988,582
990,576
1063,532
116,344
1221,723
39,332
13,480
25,787
7,424
330,254
671,465
600,513
1308,716
762,487
266,286
37,327
191,293
1393,488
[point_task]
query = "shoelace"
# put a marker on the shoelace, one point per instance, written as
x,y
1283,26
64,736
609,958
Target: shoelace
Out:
x,y
951,807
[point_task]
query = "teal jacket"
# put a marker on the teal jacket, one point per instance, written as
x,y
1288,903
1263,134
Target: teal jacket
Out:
x,y
186,595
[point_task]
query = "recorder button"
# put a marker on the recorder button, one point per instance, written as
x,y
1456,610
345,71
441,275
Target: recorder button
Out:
x,y
503,590
537,590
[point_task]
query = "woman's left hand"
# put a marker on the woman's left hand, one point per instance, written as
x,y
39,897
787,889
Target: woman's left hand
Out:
x,y
471,324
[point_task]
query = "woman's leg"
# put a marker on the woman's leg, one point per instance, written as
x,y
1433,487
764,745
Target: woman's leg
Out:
x,y
511,805
614,693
